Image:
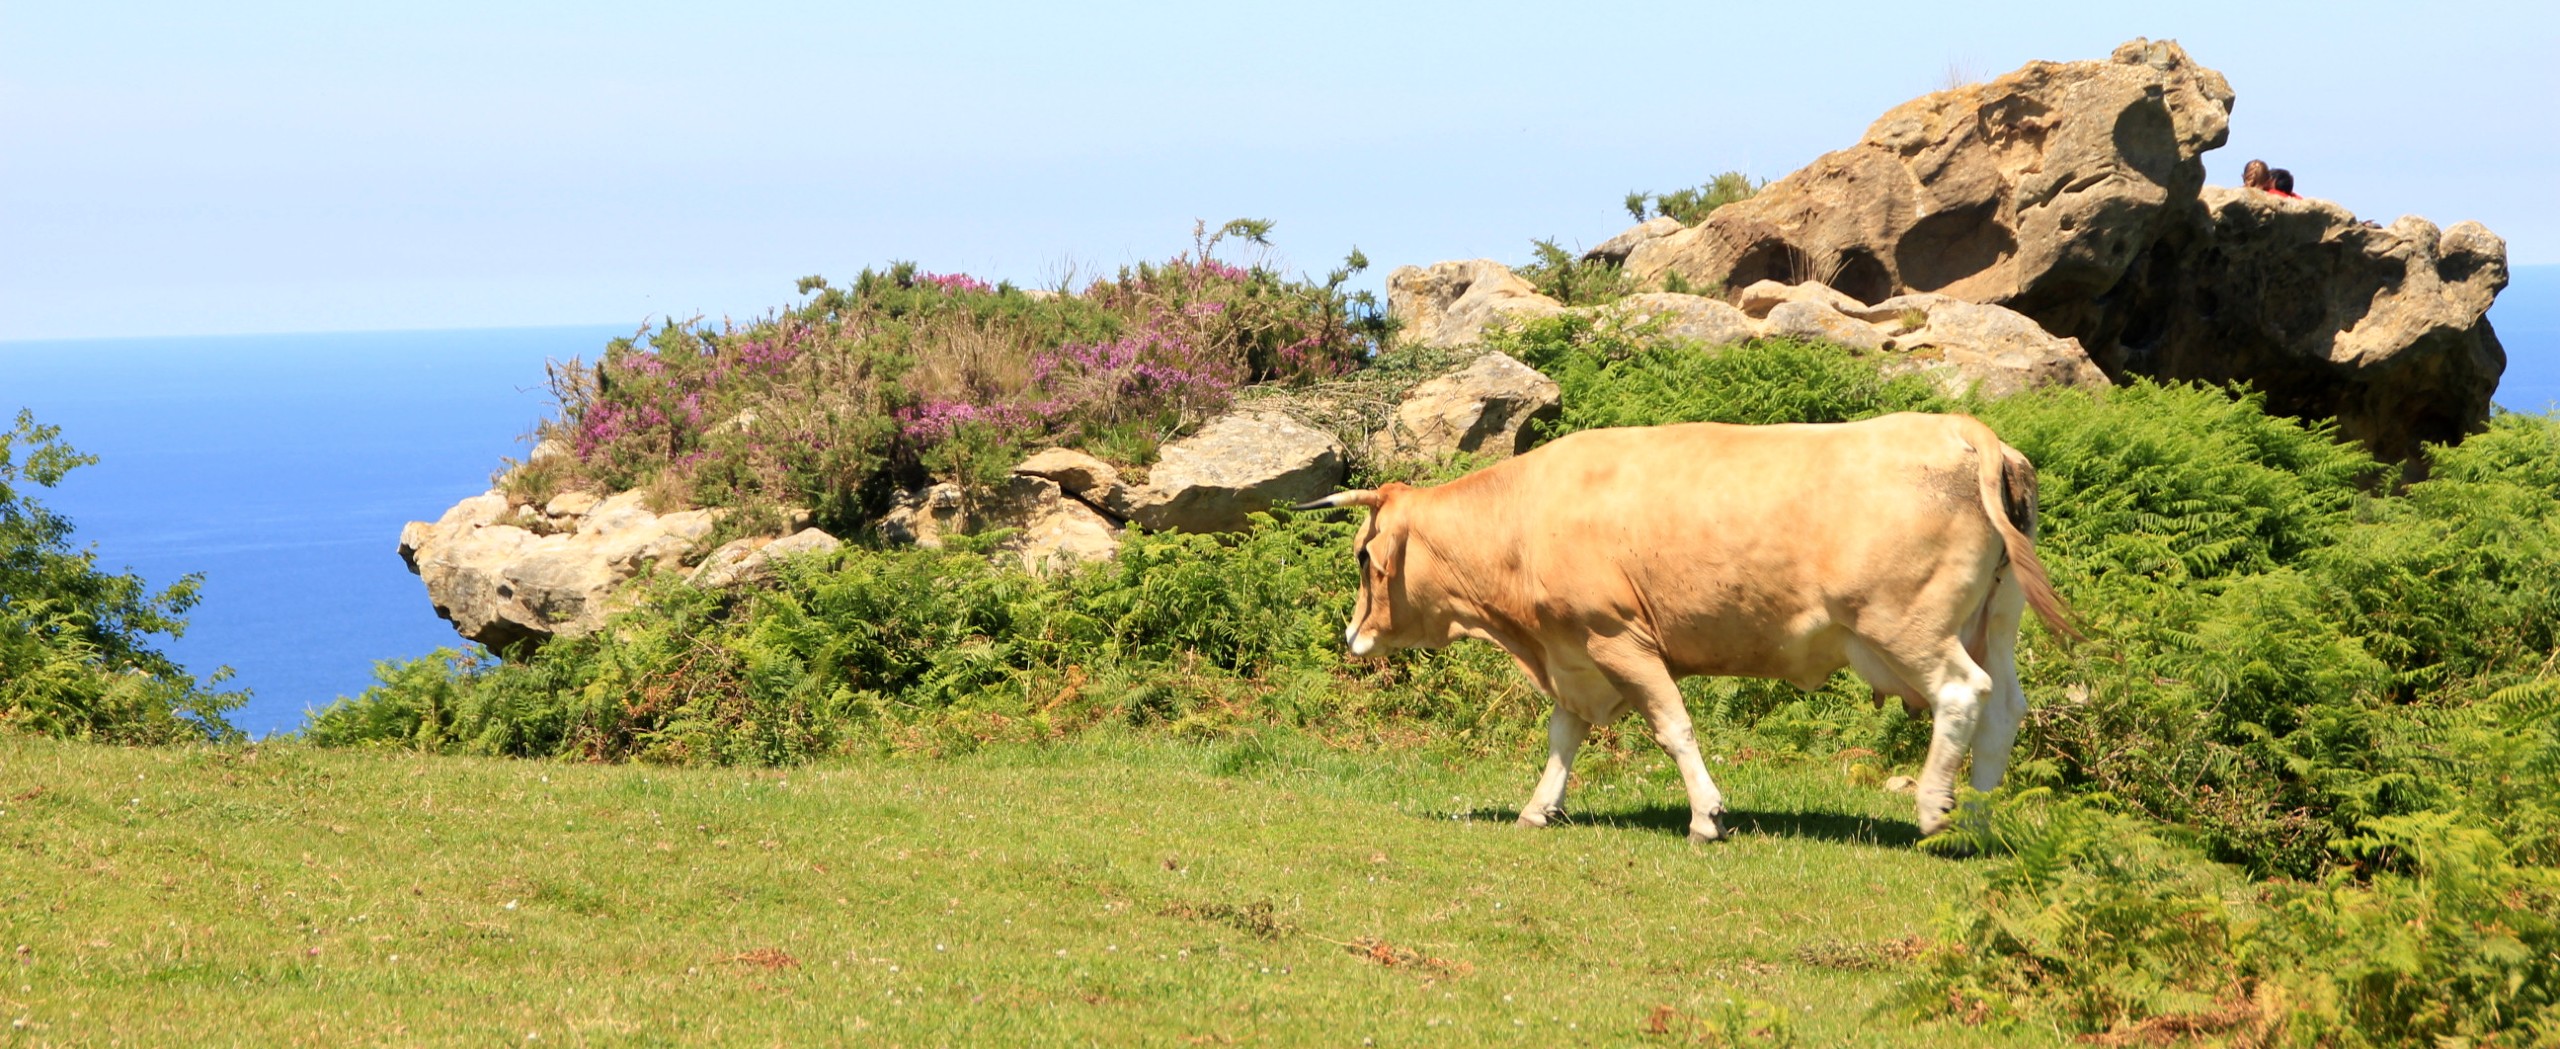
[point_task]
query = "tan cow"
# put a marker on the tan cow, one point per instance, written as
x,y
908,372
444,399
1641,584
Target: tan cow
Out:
x,y
1612,563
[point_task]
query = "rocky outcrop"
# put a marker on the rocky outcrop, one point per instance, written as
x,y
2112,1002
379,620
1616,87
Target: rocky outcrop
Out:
x,y
1237,464
2384,328
1615,250
1484,408
750,560
2073,194
1080,475
1450,304
1962,346
507,577
2042,186
1695,318
1049,525
1970,347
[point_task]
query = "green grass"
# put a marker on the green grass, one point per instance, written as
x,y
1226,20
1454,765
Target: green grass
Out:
x,y
1111,890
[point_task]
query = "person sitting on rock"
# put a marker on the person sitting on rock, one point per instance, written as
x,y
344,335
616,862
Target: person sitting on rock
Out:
x,y
2280,183
2254,174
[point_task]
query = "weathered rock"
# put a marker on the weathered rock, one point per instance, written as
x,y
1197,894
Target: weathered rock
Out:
x,y
571,504
1485,407
1709,322
1959,345
2073,194
1615,250
2042,185
1080,475
1809,319
2386,329
1764,297
1048,526
1053,529
503,585
1449,304
924,517
1988,350
751,560
1237,464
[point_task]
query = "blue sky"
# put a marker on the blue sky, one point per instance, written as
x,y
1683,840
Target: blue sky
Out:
x,y
257,166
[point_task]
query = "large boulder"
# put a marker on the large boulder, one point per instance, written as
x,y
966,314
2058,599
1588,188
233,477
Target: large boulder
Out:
x,y
2042,186
2073,194
1615,250
1970,347
1056,527
751,559
1484,408
2384,328
1450,304
507,578
1693,318
1238,463
1048,525
1961,346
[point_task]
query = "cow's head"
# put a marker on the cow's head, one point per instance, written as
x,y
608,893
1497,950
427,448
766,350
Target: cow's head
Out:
x,y
1381,616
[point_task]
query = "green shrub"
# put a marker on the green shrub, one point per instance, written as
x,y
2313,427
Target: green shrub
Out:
x,y
1618,376
1692,206
76,658
866,390
2090,920
2082,916
1570,279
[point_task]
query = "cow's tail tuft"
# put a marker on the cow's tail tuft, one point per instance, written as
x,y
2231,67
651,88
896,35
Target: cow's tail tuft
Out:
x,y
2009,497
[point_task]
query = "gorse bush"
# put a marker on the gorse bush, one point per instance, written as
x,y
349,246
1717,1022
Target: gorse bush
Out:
x,y
867,389
76,657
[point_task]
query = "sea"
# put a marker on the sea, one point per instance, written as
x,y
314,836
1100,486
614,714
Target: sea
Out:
x,y
281,468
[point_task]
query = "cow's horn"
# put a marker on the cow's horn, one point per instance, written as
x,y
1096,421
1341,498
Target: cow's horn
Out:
x,y
1368,497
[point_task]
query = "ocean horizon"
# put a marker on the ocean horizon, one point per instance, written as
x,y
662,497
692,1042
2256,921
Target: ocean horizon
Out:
x,y
282,467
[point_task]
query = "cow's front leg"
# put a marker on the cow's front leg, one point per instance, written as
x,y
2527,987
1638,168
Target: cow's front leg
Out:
x,y
1659,697
1671,728
1565,733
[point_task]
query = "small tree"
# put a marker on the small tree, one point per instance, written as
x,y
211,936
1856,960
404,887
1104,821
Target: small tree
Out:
x,y
75,657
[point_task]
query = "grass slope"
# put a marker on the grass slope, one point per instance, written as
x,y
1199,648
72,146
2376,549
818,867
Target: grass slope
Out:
x,y
1112,890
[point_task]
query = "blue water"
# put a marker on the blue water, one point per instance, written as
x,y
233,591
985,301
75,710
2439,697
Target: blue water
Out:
x,y
2527,317
282,467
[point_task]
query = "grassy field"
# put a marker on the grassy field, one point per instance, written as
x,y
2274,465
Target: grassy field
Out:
x,y
1110,891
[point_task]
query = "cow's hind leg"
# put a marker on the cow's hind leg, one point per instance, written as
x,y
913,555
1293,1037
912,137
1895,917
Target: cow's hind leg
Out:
x,y
1958,690
1565,733
2007,707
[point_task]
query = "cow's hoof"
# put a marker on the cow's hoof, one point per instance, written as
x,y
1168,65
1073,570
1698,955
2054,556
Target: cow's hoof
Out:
x,y
1533,818
1701,833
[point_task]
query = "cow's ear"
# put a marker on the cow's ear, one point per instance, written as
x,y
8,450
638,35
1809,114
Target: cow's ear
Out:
x,y
1382,566
1386,552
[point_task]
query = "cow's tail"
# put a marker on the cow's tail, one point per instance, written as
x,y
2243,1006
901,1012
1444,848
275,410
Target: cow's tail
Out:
x,y
2009,497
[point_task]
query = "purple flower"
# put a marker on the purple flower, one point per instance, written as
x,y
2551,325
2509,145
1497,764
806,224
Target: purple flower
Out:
x,y
951,283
